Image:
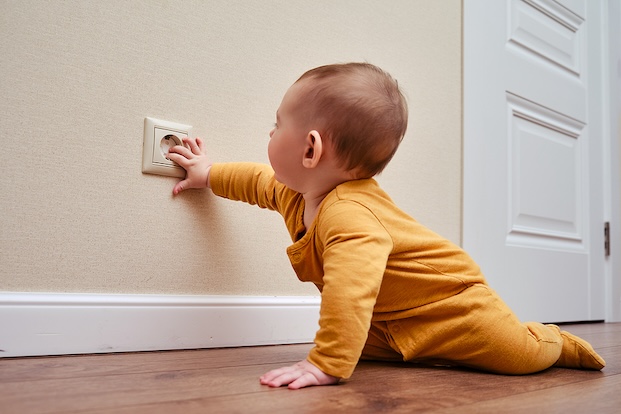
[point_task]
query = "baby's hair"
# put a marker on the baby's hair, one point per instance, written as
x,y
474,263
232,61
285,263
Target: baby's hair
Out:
x,y
360,111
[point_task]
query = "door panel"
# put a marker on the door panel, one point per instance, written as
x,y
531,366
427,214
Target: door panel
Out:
x,y
545,166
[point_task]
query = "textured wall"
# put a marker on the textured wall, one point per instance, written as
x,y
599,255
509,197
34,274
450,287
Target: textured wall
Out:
x,y
78,78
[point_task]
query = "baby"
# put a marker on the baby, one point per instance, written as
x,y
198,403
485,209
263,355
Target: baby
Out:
x,y
391,289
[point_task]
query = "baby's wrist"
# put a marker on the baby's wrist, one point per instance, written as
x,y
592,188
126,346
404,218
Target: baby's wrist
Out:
x,y
207,183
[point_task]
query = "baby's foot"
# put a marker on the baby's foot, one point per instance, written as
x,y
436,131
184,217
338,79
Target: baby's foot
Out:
x,y
578,353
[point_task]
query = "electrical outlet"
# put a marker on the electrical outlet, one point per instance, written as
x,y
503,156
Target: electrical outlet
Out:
x,y
159,137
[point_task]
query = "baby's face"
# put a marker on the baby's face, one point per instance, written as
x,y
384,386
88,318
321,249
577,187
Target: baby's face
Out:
x,y
286,146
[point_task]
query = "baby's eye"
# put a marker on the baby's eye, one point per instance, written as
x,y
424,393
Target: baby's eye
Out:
x,y
275,125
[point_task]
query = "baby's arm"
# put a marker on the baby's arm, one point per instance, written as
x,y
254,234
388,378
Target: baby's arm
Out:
x,y
195,162
303,374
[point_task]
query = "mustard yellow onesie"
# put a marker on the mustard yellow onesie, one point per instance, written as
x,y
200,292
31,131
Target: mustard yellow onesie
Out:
x,y
391,289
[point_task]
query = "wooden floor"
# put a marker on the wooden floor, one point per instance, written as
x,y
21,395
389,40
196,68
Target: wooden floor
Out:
x,y
226,381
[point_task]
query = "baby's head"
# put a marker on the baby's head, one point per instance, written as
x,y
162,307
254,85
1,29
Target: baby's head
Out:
x,y
359,111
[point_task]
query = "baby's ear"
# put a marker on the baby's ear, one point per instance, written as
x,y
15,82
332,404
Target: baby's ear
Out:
x,y
313,149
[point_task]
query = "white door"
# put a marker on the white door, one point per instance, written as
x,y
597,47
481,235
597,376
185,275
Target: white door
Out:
x,y
533,196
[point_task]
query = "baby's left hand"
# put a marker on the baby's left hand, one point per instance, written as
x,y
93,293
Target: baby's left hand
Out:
x,y
303,374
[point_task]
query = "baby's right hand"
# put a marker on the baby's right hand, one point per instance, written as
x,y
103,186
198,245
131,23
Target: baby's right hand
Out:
x,y
303,374
195,162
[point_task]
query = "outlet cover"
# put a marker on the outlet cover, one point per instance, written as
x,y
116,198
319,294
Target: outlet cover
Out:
x,y
159,136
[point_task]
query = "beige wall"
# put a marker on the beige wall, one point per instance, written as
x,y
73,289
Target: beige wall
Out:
x,y
78,78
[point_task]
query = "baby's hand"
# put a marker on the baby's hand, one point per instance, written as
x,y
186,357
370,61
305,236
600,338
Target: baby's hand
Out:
x,y
303,374
195,162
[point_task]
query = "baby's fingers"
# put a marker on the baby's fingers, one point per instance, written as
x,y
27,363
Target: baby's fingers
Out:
x,y
181,150
179,187
269,376
177,157
306,380
201,144
195,144
278,377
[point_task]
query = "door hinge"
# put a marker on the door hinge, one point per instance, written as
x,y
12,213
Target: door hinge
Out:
x,y
607,238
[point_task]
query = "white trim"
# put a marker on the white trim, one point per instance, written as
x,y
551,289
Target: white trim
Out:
x,y
57,324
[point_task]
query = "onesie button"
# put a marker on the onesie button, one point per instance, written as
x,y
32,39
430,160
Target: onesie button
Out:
x,y
295,257
396,328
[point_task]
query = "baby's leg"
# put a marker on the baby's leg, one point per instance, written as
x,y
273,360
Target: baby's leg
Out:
x,y
476,329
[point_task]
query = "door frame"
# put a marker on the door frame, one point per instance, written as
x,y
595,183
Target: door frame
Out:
x,y
610,32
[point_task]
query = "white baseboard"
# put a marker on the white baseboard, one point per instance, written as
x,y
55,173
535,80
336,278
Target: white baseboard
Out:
x,y
58,324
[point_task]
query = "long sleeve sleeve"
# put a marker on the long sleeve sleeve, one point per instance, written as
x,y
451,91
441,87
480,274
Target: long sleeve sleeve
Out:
x,y
248,182
255,184
354,260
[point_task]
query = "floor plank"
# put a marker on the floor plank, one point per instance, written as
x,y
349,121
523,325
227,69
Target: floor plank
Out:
x,y
596,396
226,381
77,366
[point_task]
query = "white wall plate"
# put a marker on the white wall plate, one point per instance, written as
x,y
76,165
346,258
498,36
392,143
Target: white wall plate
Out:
x,y
159,136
